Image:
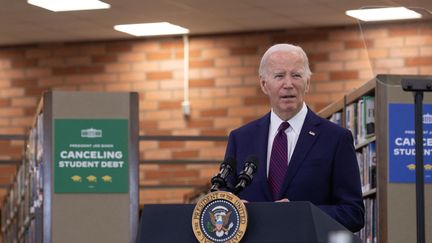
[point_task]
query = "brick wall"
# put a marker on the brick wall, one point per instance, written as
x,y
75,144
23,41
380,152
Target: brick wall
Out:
x,y
224,91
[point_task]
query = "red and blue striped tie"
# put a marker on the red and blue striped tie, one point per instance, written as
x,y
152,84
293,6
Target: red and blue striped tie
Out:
x,y
278,160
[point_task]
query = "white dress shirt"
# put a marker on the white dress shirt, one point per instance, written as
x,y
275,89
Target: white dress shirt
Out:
x,y
293,132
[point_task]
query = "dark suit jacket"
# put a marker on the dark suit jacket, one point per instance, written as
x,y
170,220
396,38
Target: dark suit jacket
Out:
x,y
323,168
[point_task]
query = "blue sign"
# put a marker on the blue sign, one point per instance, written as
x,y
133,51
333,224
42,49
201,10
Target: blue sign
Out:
x,y
401,143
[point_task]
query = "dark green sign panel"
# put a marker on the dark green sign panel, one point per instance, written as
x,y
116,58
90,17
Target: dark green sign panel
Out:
x,y
91,156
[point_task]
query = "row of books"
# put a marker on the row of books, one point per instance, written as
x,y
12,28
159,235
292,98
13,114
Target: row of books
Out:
x,y
369,233
366,158
25,197
360,119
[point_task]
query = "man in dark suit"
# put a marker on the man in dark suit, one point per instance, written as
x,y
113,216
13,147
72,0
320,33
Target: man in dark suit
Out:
x,y
302,157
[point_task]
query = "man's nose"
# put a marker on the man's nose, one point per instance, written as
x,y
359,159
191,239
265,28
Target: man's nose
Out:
x,y
287,82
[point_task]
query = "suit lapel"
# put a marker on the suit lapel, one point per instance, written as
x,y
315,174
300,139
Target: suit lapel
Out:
x,y
262,140
307,138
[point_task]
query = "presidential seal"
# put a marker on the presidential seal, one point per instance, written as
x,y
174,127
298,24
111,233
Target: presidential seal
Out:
x,y
219,217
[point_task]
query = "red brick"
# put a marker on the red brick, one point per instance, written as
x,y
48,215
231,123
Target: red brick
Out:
x,y
118,47
418,61
92,49
320,76
5,102
65,51
91,69
171,44
402,31
378,53
203,63
91,87
24,63
214,132
118,67
38,72
118,87
343,75
229,61
172,84
171,144
11,112
131,57
78,61
19,82
200,124
64,70
12,73
52,62
170,104
171,174
357,44
144,125
389,63
255,100
159,75
185,154
158,95
131,76
240,71
221,112
228,82
357,65
241,51
317,57
12,92
242,91
215,52
391,42
158,56
25,102
104,59
38,53
195,83
35,91
329,86
229,102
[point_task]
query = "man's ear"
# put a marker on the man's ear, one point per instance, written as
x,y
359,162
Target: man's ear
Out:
x,y
307,85
263,84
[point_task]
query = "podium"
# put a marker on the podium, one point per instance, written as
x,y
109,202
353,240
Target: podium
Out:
x,y
299,222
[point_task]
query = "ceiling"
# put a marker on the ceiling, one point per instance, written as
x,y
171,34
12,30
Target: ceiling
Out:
x,y
21,23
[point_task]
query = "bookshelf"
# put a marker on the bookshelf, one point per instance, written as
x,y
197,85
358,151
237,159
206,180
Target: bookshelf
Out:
x,y
390,214
45,203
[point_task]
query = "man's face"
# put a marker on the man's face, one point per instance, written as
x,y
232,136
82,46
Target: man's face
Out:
x,y
285,83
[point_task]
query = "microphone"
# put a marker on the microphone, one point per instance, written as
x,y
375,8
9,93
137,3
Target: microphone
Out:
x,y
219,181
245,177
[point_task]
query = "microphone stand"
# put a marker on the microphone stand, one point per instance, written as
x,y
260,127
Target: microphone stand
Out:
x,y
418,86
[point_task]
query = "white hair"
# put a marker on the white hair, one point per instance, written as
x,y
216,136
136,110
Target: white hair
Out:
x,y
262,71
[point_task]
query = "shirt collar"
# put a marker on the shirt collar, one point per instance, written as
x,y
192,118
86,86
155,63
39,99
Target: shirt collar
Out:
x,y
296,122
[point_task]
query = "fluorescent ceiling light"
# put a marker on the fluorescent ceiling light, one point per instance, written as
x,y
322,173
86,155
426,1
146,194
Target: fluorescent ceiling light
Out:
x,y
379,14
151,29
69,5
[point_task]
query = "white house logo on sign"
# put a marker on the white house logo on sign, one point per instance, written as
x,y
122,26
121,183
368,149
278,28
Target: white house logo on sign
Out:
x,y
91,133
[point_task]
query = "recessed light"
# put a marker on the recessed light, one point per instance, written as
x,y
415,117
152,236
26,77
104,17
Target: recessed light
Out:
x,y
151,29
380,14
69,5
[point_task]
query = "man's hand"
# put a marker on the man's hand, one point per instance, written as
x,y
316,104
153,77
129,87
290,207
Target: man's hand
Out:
x,y
283,200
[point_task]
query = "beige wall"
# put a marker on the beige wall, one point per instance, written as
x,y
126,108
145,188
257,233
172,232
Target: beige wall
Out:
x,y
224,91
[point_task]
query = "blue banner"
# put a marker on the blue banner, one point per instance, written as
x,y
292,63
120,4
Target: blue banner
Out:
x,y
401,143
